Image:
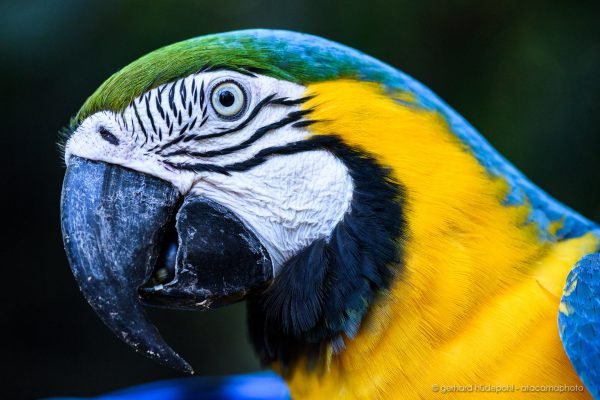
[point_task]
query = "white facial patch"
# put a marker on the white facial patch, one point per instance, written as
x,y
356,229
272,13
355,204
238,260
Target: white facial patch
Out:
x,y
177,133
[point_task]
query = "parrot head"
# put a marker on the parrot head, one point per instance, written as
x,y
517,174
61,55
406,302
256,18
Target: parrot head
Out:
x,y
265,166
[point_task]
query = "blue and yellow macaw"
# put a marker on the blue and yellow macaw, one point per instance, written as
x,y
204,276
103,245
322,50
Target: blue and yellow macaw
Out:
x,y
384,248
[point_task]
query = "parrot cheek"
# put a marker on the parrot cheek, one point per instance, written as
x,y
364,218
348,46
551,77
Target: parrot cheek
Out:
x,y
219,260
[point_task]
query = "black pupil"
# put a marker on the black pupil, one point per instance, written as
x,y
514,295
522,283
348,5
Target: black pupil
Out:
x,y
226,98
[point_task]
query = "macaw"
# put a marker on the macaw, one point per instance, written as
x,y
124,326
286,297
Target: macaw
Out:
x,y
384,249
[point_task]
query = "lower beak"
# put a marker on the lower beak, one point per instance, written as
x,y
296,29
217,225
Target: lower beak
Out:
x,y
119,238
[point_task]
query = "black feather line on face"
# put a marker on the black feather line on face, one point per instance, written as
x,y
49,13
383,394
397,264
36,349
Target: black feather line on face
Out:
x,y
268,100
255,111
202,98
182,92
149,112
204,119
320,296
159,107
292,117
171,103
137,116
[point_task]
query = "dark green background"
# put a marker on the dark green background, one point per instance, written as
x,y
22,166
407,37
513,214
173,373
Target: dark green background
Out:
x,y
525,73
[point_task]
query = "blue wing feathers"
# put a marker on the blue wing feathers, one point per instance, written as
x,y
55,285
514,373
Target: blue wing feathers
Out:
x,y
579,321
263,386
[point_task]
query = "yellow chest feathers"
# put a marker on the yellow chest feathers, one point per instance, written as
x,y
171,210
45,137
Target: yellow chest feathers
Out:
x,y
477,300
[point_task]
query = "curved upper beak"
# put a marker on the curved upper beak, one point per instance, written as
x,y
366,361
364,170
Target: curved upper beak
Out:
x,y
114,222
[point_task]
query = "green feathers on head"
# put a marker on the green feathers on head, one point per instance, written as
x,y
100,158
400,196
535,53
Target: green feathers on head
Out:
x,y
291,56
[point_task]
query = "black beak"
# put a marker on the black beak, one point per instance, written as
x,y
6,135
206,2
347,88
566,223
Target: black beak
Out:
x,y
115,223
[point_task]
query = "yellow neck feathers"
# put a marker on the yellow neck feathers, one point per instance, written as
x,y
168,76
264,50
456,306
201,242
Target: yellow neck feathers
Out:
x,y
477,301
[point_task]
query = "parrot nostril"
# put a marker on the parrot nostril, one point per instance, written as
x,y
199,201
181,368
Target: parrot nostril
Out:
x,y
108,136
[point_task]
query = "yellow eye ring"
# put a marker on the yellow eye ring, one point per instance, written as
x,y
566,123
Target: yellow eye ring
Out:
x,y
228,100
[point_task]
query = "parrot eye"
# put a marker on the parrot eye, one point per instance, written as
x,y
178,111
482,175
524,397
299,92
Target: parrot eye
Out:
x,y
229,100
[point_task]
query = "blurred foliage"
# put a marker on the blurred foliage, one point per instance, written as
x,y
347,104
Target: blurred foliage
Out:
x,y
526,74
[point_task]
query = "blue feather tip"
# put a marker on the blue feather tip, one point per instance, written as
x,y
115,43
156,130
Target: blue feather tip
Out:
x,y
264,386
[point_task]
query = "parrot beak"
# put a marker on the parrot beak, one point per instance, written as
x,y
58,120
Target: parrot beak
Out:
x,y
119,238
218,260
